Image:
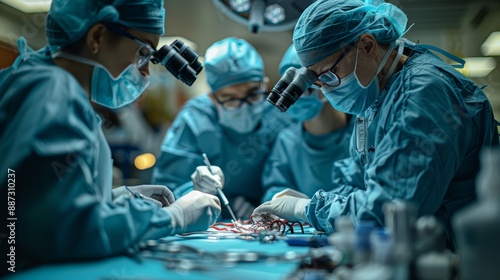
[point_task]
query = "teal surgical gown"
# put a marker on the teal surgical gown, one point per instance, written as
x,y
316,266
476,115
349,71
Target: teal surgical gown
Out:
x,y
52,140
302,161
420,142
196,130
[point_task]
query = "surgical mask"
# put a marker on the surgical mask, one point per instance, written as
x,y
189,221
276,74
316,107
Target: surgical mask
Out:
x,y
307,107
351,96
242,119
109,91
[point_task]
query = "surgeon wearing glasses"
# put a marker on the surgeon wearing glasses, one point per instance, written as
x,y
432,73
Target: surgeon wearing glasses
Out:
x,y
53,148
233,124
420,124
302,158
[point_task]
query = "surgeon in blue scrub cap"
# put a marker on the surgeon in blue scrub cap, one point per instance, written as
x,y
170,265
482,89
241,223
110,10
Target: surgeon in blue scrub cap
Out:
x,y
301,160
53,147
420,124
233,124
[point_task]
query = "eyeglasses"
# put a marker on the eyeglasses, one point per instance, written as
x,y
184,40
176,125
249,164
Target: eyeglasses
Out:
x,y
328,77
233,103
145,51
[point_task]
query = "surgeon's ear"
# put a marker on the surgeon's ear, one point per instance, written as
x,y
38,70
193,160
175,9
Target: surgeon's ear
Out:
x,y
95,37
369,45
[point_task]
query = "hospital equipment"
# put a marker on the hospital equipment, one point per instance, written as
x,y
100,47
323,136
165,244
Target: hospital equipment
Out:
x,y
477,227
263,15
284,94
180,60
188,258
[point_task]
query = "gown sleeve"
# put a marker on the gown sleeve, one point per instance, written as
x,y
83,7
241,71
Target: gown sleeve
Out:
x,y
422,145
64,212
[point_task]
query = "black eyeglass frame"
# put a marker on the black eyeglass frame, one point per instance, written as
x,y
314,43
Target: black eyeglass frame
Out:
x,y
329,72
254,93
146,58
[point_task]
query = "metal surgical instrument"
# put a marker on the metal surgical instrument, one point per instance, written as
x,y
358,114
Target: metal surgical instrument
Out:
x,y
219,190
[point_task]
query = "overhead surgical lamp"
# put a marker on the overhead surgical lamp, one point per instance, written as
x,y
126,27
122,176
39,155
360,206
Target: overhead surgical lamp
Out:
x,y
477,67
264,15
29,6
492,44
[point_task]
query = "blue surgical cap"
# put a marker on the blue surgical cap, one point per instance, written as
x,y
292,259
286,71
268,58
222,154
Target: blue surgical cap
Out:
x,y
232,61
328,25
69,20
290,59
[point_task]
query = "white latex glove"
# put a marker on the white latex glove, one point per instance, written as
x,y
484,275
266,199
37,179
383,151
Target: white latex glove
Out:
x,y
204,181
242,207
286,207
193,212
160,195
289,192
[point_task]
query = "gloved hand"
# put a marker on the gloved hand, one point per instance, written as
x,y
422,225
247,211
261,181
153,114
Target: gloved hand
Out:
x,y
204,181
194,211
286,207
242,207
160,195
289,192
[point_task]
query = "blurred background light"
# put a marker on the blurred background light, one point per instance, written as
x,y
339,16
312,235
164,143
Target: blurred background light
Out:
x,y
477,67
275,14
144,161
491,45
29,6
240,5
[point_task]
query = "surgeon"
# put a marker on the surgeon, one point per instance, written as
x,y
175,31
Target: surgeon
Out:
x,y
53,149
420,124
302,158
233,124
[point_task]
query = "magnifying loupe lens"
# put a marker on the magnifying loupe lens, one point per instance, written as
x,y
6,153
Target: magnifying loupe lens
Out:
x,y
281,85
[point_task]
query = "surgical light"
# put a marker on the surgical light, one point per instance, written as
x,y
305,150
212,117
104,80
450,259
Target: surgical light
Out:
x,y
275,13
29,6
256,20
477,67
492,44
240,5
264,15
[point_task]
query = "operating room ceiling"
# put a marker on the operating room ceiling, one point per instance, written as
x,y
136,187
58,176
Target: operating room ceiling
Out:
x,y
435,22
429,15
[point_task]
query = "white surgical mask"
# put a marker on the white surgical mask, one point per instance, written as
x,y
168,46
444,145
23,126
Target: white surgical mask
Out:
x,y
109,91
242,119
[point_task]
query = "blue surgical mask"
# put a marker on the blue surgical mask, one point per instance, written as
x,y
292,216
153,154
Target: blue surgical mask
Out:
x,y
242,119
307,107
109,91
351,96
